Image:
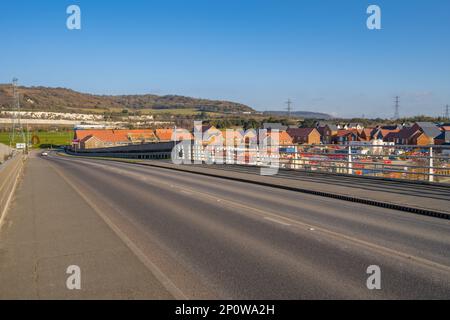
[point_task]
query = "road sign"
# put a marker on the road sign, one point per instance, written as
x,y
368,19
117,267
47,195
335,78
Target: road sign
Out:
x,y
21,146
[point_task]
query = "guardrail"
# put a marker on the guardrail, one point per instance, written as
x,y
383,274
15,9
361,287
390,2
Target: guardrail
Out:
x,y
410,162
9,173
429,163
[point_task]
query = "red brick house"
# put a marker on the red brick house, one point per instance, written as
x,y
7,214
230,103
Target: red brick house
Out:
x,y
345,136
444,137
327,131
366,134
380,133
305,135
421,139
284,139
409,136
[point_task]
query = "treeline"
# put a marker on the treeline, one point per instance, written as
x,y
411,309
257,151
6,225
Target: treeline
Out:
x,y
376,121
246,124
252,123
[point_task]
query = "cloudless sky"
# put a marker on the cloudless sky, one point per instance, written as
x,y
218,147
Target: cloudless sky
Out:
x,y
319,53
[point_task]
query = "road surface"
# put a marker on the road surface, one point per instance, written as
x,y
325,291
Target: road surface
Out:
x,y
167,234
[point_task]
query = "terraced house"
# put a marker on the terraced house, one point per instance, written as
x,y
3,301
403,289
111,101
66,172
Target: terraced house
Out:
x,y
304,135
92,139
413,136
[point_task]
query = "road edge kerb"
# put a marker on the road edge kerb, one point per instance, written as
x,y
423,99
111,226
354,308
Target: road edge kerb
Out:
x,y
11,185
375,203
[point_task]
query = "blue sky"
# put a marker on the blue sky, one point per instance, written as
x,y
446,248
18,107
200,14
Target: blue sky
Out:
x,y
318,53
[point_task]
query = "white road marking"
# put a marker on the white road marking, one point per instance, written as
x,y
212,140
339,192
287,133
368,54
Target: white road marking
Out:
x,y
20,165
277,221
158,273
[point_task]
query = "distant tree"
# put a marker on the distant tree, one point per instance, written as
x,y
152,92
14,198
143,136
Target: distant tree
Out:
x,y
308,123
35,140
251,124
203,115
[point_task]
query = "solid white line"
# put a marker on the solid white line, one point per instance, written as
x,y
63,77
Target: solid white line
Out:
x,y
7,177
163,279
8,201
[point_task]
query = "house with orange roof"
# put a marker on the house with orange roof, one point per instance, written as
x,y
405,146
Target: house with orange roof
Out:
x,y
282,137
166,135
91,142
380,133
345,136
106,138
409,136
366,134
183,135
146,136
421,134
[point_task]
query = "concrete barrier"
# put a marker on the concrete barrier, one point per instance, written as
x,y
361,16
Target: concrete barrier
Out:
x,y
9,176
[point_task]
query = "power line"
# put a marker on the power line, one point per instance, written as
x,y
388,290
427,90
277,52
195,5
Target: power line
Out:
x,y
447,112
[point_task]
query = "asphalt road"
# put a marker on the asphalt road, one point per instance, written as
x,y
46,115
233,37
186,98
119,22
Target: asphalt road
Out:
x,y
206,238
434,197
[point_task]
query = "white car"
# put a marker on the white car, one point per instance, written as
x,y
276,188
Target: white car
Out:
x,y
44,154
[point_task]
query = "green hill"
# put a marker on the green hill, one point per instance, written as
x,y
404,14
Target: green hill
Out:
x,y
66,100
